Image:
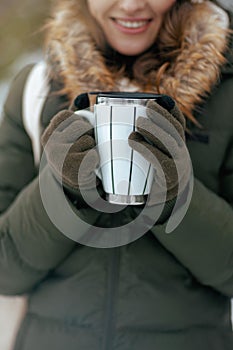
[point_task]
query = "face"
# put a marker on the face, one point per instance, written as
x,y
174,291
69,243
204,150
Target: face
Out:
x,y
130,26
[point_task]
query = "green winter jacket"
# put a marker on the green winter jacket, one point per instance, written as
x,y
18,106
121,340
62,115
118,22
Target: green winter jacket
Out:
x,y
162,291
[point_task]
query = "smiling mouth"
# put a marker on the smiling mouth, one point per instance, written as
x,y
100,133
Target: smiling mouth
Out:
x,y
132,24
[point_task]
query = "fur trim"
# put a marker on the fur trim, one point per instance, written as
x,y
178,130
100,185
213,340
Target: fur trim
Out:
x,y
196,69
73,56
226,4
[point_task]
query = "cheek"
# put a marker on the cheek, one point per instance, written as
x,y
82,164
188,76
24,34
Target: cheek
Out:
x,y
97,10
162,6
169,4
93,7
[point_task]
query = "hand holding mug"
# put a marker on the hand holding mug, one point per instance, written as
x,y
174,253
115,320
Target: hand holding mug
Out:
x,y
160,138
68,139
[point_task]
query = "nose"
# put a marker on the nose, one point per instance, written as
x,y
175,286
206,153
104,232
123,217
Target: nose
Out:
x,y
132,6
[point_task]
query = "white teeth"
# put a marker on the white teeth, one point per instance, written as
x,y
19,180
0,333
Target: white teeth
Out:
x,y
136,24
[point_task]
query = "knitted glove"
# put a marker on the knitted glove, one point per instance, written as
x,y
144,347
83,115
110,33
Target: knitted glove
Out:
x,y
69,142
160,139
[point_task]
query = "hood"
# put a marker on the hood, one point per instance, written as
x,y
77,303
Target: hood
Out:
x,y
74,60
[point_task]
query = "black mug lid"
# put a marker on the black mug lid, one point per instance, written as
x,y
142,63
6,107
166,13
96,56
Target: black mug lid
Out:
x,y
125,94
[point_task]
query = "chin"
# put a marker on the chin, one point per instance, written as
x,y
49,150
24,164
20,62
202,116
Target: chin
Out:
x,y
132,52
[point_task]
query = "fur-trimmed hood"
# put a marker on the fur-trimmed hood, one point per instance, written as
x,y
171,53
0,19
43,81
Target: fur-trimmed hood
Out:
x,y
73,58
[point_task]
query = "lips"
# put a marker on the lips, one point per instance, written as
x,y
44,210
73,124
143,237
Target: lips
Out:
x,y
132,26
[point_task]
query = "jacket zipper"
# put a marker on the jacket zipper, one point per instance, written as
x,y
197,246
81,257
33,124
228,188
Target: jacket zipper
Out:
x,y
112,284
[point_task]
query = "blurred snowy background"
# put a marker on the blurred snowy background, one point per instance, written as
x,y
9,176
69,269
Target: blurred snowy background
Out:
x,y
20,44
20,37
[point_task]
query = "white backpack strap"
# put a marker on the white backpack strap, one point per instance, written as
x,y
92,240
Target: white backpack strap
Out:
x,y
35,93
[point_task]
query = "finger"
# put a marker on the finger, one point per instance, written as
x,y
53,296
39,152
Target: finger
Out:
x,y
170,105
156,113
157,136
70,135
164,166
83,144
72,119
78,128
148,151
89,158
54,123
166,102
78,168
80,102
59,119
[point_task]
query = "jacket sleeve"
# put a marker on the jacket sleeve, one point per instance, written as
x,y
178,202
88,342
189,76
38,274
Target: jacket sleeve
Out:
x,y
203,241
16,157
30,244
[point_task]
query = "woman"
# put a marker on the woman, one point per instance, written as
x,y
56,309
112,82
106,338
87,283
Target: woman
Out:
x,y
161,291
